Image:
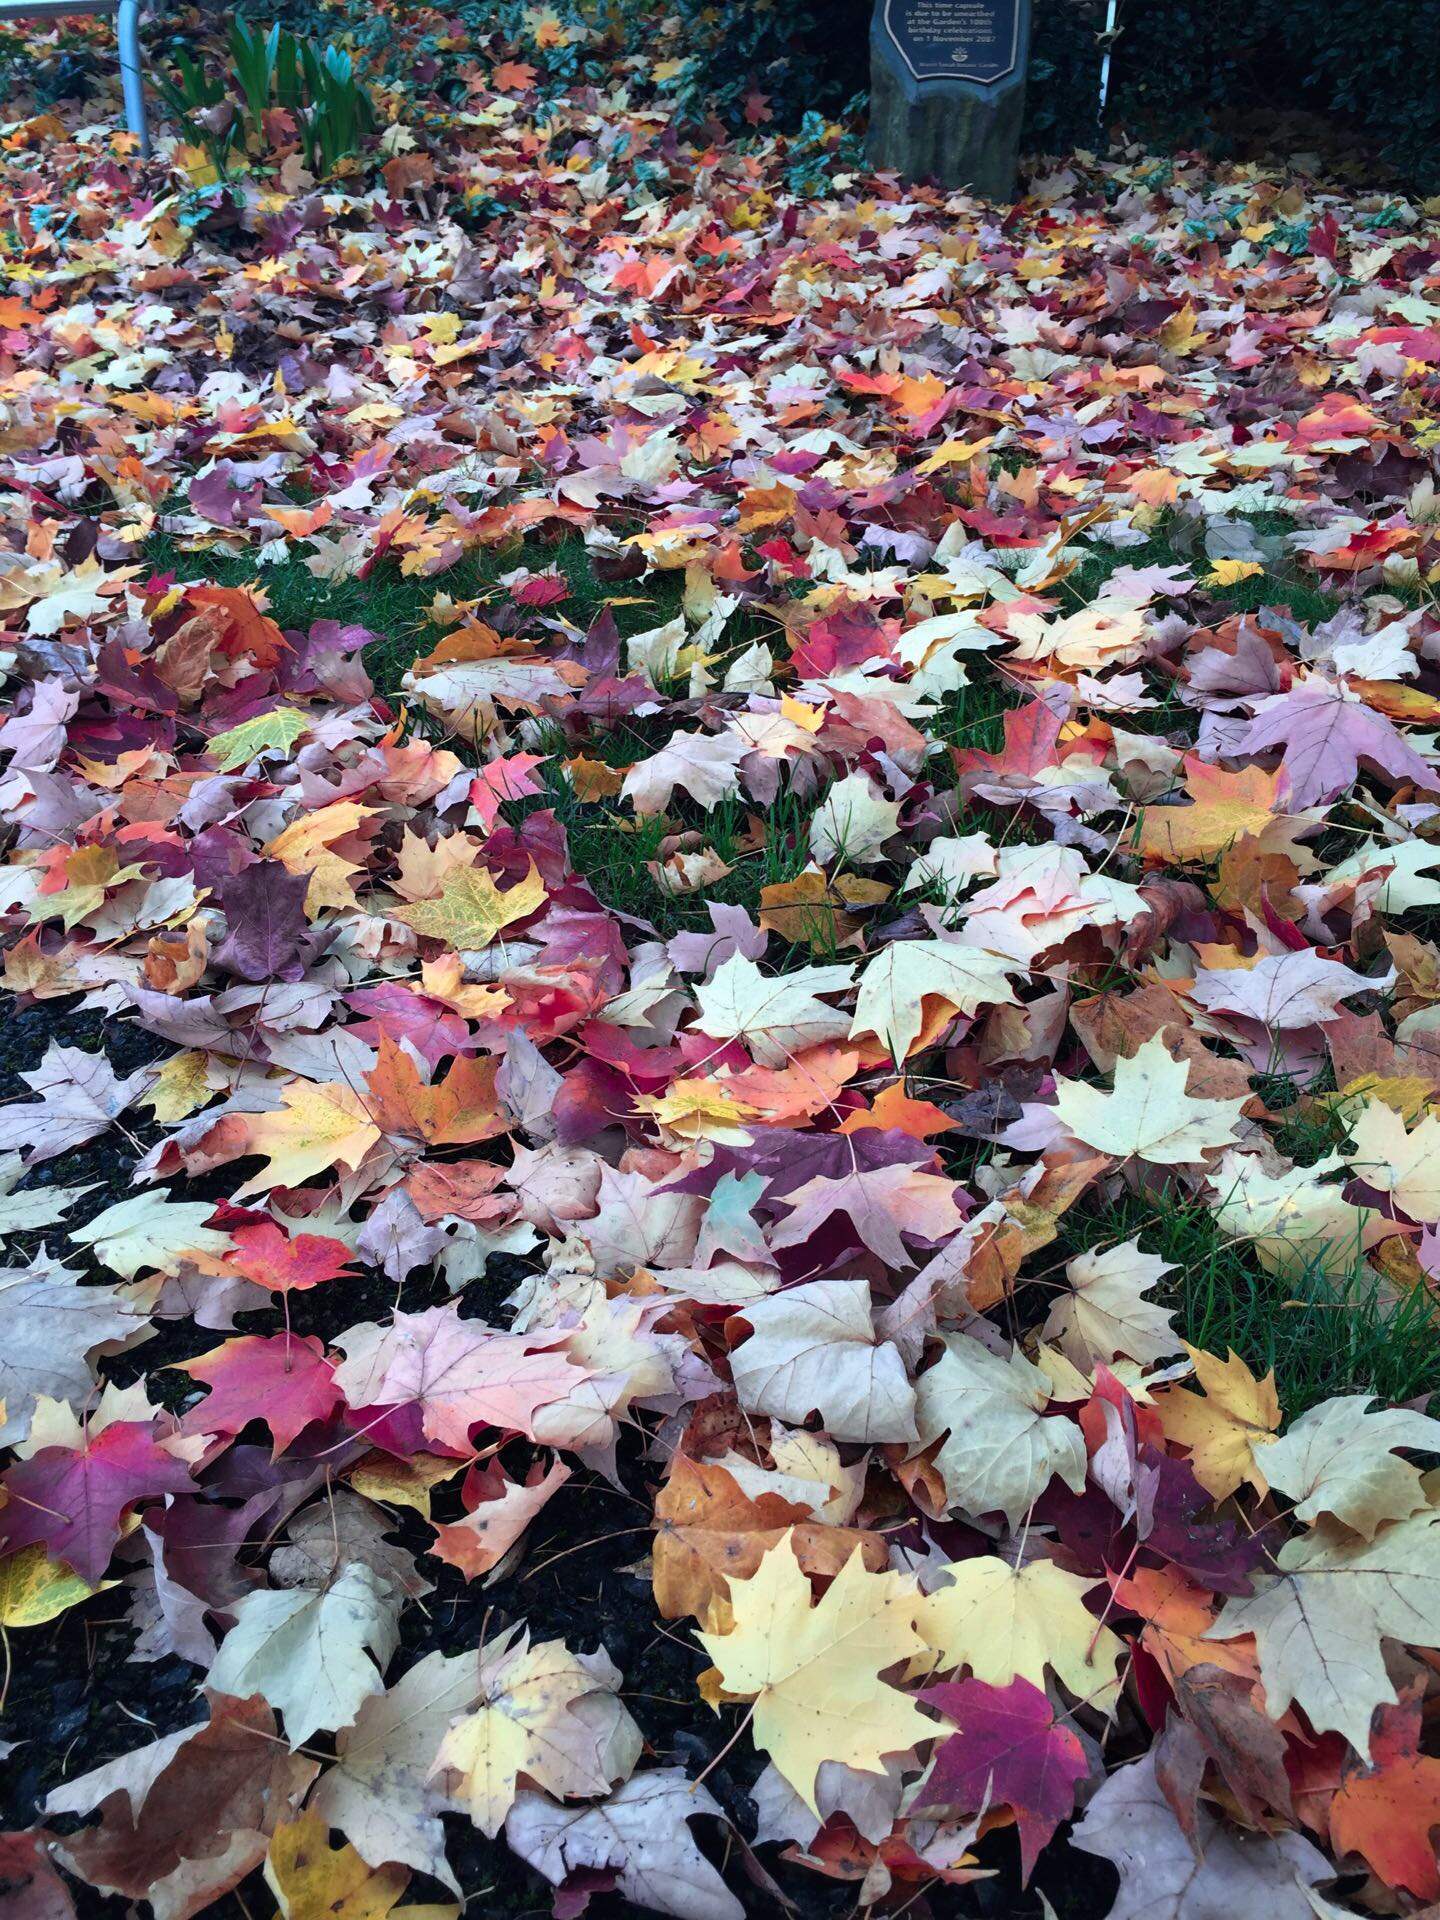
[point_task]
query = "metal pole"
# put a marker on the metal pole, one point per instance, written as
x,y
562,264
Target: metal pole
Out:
x,y
131,78
1109,37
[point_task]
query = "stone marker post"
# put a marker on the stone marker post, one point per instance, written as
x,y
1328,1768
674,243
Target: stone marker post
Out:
x,y
947,90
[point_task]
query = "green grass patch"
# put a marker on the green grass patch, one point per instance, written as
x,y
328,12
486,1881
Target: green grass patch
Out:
x,y
1284,582
1322,1334
394,605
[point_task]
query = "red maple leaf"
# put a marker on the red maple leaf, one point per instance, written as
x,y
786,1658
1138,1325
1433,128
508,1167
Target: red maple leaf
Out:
x,y
1031,735
283,1379
72,1499
267,1256
1386,1813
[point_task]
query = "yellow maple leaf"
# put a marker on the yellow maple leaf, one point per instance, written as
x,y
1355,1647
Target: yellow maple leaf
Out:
x,y
1406,1165
316,1128
814,1672
275,732
311,1880
1005,1622
700,1110
444,979
1149,1115
904,976
1227,805
816,909
592,779
1219,1424
471,910
307,846
34,1588
1228,573
954,453
90,872
1180,333
550,1714
179,1087
403,1483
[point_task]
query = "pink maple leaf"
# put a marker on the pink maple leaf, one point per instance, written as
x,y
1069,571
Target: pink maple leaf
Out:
x,y
1326,732
1009,1750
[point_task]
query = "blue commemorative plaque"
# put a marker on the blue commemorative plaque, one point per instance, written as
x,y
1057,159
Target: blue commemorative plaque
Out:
x,y
975,40
947,91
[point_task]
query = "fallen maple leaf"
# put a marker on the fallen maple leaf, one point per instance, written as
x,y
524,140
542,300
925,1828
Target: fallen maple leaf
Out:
x,y
1320,1622
1011,1749
706,765
283,1379
1338,1458
814,1672
80,1095
1001,1451
379,1792
267,935
709,1531
459,1373
39,1893
34,1589
73,1499
906,975
1386,1813
162,1807
1236,1409
316,1127
1226,807
1404,1164
1163,1876
638,1840
471,911
1294,1220
287,1263
1149,1115
311,1880
274,731
459,1110
499,1511
544,1714
882,1204
814,1348
777,1016
305,1652
852,823
1106,1313
51,1330
1326,731
150,1233
1004,1622
1281,990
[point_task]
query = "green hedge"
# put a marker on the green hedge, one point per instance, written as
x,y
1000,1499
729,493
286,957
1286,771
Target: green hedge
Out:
x,y
1181,66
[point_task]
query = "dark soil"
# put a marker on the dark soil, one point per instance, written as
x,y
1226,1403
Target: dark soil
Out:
x,y
75,1699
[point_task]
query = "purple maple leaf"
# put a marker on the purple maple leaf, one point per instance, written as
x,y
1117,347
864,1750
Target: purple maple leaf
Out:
x,y
269,937
1185,1529
223,498
1326,732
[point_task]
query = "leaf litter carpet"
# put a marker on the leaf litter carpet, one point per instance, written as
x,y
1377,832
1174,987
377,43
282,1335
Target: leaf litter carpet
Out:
x,y
722,1057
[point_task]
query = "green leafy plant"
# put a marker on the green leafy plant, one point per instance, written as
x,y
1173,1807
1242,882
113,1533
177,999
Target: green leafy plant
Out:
x,y
272,68
199,101
338,111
